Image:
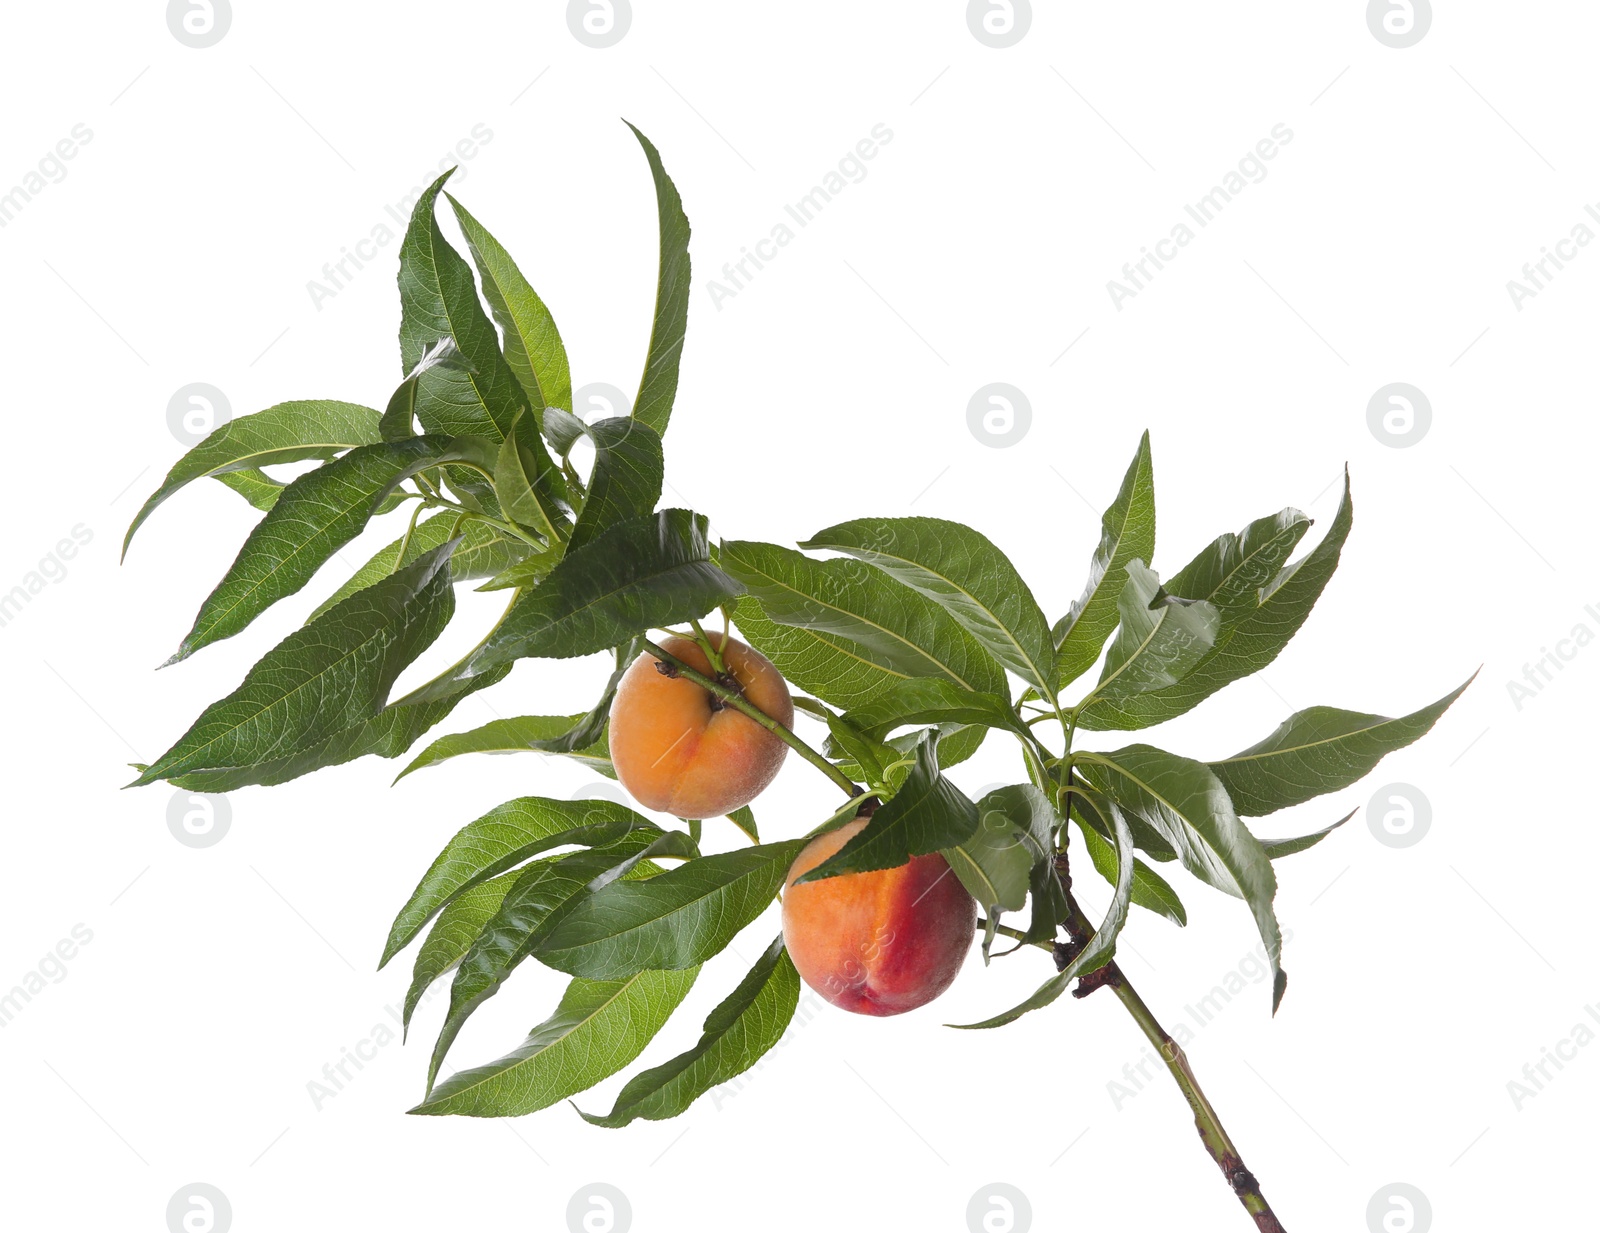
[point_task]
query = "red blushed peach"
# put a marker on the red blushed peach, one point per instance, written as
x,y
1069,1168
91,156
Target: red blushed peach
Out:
x,y
679,748
877,943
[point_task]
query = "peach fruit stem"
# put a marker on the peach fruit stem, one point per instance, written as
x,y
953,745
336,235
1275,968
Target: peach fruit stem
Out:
x,y
740,703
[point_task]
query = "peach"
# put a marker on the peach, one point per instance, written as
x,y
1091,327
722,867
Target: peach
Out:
x,y
679,748
878,943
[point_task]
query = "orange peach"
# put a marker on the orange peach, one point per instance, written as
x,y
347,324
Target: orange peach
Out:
x,y
877,943
679,748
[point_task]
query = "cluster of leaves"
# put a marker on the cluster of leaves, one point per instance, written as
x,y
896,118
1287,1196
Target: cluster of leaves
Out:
x,y
905,640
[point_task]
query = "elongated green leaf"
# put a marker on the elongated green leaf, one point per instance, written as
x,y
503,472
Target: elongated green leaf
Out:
x,y
1318,751
317,514
255,486
626,480
388,734
858,633
1187,804
599,1027
1276,848
1127,533
928,813
642,574
1231,571
993,864
325,677
1248,645
1102,946
1035,824
524,734
288,432
533,346
503,838
1161,638
1150,890
658,387
482,552
539,894
744,1025
965,574
677,920
438,299
452,935
400,414
925,700
523,483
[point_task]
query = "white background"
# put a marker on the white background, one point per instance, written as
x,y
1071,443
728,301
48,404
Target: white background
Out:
x,y
178,1045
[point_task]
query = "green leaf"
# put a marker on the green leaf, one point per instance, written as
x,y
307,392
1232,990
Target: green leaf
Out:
x,y
256,487
658,387
1231,571
400,415
1185,802
646,573
1318,751
288,432
932,700
993,864
482,552
1127,533
1161,638
533,346
927,814
599,1027
1150,890
452,935
744,1025
965,574
503,838
481,395
1276,848
1248,645
625,482
388,734
1102,946
745,820
325,677
319,513
677,920
856,633
540,894
523,486
524,734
